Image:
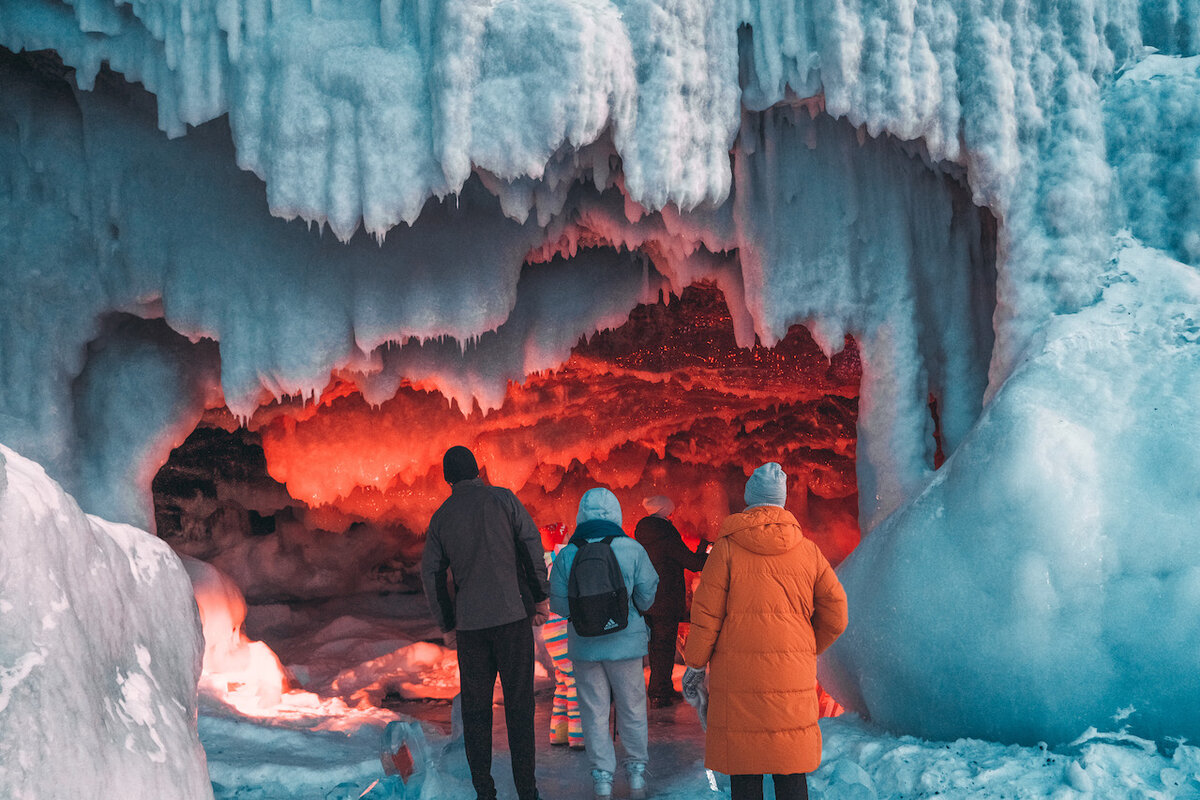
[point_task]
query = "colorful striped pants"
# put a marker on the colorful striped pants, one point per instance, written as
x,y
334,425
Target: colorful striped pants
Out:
x,y
565,724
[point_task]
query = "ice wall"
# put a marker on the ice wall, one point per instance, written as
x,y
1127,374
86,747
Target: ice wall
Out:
x,y
1060,531
355,112
1047,579
99,655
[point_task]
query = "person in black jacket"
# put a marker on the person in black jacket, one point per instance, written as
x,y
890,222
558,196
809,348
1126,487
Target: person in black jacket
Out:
x,y
670,558
483,542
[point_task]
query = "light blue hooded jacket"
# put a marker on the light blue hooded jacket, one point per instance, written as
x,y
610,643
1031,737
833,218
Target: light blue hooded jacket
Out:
x,y
600,516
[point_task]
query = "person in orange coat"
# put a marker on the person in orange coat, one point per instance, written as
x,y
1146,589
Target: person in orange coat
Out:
x,y
767,604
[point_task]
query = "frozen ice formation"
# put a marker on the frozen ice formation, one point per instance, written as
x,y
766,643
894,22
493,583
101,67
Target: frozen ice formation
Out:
x,y
950,181
100,652
1047,575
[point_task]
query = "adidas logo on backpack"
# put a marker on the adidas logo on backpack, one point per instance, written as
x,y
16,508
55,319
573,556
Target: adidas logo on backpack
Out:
x,y
596,591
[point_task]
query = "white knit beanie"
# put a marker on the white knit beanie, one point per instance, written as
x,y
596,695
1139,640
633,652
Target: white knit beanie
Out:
x,y
658,506
767,486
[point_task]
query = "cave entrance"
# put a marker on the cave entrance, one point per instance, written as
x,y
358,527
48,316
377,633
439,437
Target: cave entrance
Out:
x,y
316,508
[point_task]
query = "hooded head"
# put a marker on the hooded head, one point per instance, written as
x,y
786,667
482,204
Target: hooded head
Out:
x,y
767,486
658,506
598,504
459,465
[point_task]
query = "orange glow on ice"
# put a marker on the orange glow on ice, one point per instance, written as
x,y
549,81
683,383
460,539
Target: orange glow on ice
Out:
x,y
665,404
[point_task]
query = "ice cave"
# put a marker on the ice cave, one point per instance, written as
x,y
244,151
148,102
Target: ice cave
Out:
x,y
261,263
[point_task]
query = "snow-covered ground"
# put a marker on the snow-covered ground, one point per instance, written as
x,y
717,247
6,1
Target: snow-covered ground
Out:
x,y
255,759
309,752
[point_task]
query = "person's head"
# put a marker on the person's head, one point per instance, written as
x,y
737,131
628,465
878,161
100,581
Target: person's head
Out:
x,y
767,486
598,504
459,465
658,506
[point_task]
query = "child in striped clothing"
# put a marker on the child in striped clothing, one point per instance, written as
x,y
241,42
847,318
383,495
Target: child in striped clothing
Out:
x,y
565,724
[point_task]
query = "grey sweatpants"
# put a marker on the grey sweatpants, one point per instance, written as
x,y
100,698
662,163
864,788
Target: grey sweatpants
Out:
x,y
624,683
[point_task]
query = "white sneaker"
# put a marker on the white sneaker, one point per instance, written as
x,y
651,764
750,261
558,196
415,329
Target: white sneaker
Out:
x,y
602,784
637,780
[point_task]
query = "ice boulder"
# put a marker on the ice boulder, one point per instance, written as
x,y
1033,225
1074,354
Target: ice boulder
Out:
x,y
99,653
1047,580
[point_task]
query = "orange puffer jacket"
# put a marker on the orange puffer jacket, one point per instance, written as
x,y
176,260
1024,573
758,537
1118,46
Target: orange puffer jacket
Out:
x,y
768,602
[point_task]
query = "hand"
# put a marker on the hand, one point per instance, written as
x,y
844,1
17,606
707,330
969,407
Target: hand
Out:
x,y
450,638
541,612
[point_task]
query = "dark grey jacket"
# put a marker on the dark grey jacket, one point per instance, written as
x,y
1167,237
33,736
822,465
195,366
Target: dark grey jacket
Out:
x,y
487,540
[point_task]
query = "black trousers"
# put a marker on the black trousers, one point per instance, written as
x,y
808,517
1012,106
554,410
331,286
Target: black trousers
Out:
x,y
506,650
664,631
787,787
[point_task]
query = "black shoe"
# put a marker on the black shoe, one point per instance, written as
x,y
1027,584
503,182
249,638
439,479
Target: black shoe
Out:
x,y
664,700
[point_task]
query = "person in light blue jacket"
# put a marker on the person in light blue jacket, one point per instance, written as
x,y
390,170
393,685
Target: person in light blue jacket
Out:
x,y
610,666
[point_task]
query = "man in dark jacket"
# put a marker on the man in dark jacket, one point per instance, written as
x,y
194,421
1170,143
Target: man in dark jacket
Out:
x,y
487,541
670,558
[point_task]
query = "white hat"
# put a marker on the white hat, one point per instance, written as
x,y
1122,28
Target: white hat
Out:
x,y
658,506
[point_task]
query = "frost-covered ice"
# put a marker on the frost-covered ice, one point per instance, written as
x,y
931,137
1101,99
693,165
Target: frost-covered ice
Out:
x,y
1034,619
99,653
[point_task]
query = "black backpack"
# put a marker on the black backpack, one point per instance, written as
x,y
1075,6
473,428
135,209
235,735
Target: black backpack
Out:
x,y
596,591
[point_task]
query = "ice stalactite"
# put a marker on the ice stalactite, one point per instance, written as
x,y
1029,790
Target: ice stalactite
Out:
x,y
480,299
323,498
853,235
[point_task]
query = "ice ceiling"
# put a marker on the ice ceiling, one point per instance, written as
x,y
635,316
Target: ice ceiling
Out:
x,y
476,205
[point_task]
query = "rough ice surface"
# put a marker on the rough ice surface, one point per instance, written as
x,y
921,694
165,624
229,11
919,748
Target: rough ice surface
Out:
x,y
99,655
445,303
1088,590
1046,560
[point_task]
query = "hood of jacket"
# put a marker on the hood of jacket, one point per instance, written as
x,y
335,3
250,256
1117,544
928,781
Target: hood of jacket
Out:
x,y
652,529
595,529
766,530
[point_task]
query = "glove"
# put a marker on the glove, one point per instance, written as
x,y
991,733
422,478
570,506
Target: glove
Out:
x,y
693,684
696,693
450,638
541,612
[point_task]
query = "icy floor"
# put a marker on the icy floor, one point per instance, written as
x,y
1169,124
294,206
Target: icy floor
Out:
x,y
297,757
254,761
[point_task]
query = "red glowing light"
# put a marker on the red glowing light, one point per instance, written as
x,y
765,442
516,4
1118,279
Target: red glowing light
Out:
x,y
665,404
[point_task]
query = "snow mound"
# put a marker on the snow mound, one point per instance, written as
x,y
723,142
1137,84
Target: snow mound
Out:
x,y
99,656
863,763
